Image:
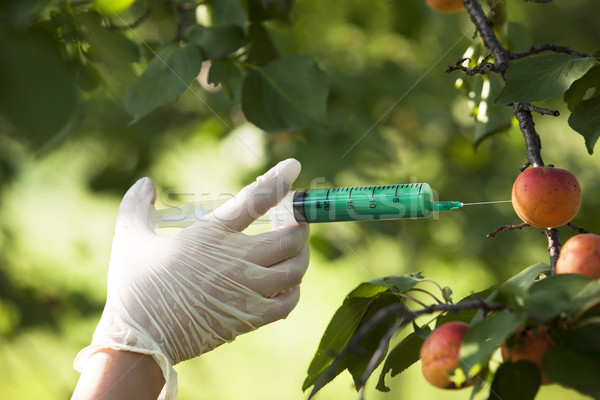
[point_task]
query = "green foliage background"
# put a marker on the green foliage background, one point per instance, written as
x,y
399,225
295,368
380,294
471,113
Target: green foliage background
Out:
x,y
393,116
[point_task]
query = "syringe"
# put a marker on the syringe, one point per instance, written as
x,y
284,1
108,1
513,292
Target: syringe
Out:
x,y
359,203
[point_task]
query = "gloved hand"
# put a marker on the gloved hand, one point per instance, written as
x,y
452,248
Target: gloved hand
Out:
x,y
176,297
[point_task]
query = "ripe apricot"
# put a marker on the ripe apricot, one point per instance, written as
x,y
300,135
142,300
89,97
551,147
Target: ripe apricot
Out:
x,y
531,346
440,353
580,255
446,6
546,197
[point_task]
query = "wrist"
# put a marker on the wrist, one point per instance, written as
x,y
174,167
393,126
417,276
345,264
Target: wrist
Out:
x,y
116,374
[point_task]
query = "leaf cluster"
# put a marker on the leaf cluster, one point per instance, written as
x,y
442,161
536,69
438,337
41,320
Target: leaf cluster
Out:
x,y
359,336
83,51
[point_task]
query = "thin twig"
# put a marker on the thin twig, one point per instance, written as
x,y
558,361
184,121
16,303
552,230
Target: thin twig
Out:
x,y
439,287
546,47
426,292
539,110
577,228
482,68
506,228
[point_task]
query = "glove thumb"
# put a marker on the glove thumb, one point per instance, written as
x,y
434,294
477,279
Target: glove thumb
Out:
x,y
135,207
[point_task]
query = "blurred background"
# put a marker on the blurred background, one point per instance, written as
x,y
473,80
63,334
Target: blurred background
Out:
x,y
394,116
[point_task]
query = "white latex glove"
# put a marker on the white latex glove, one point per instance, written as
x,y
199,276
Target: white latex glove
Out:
x,y
176,297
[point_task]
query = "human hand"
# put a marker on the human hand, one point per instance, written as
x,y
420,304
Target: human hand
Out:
x,y
176,297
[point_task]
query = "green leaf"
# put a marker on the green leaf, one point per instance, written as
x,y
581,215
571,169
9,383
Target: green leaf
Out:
x,y
229,12
261,47
574,370
523,280
263,10
167,75
557,294
584,88
405,354
515,381
542,77
422,332
109,47
484,337
400,283
88,77
513,296
367,346
288,94
216,42
491,118
447,293
230,75
39,89
585,120
346,321
529,275
584,339
337,334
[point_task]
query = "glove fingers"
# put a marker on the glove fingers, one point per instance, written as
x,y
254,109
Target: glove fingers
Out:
x,y
280,244
282,276
283,305
256,199
133,211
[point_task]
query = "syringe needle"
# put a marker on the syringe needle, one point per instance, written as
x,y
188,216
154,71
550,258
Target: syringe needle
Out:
x,y
487,202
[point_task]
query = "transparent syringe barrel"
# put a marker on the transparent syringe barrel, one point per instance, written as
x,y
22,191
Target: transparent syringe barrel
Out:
x,y
363,203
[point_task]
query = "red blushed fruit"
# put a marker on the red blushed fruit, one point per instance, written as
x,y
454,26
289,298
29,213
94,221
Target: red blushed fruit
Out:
x,y
531,346
446,6
440,354
546,197
580,255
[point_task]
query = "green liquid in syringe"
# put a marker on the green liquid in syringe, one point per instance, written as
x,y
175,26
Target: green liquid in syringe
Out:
x,y
359,203
364,203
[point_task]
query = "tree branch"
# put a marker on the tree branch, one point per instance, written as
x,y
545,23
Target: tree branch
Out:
x,y
539,110
522,111
546,47
507,228
553,247
577,228
485,27
532,139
